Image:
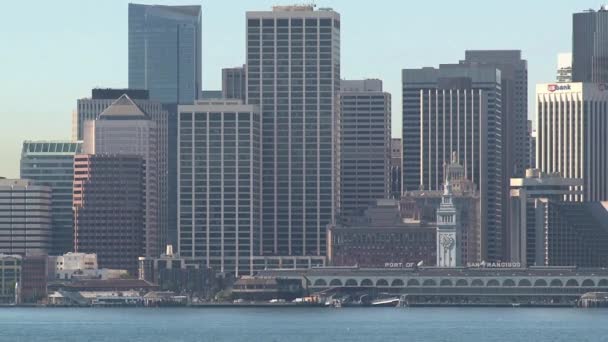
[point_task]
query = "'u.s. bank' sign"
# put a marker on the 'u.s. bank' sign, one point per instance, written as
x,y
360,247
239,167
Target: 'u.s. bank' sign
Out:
x,y
557,87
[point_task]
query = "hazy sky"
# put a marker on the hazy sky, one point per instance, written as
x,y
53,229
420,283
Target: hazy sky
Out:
x,y
54,52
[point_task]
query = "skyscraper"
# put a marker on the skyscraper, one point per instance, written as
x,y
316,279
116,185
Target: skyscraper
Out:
x,y
234,83
51,163
165,51
514,76
124,128
109,209
293,74
165,118
25,222
219,184
572,134
457,109
590,46
365,144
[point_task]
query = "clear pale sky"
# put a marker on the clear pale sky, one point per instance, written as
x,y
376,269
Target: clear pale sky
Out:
x,y
54,52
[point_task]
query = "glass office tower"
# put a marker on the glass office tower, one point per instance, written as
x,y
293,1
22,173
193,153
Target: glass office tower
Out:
x,y
293,74
51,163
165,51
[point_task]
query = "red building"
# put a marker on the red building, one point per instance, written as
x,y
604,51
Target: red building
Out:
x,y
109,209
33,278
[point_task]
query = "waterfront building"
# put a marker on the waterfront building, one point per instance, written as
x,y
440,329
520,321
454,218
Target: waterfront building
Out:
x,y
457,108
109,209
124,128
380,237
576,234
174,273
572,134
219,184
293,75
165,51
396,148
365,144
34,274
527,220
449,250
165,119
25,223
10,277
234,83
486,283
590,46
423,206
564,67
51,163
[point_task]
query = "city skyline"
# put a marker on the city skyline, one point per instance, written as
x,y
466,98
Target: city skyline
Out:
x,y
92,57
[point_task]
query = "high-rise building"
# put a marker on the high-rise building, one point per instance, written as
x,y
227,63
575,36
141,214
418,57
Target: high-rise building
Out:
x,y
109,206
457,109
396,148
529,198
365,144
25,222
51,163
124,128
165,51
165,118
10,276
564,67
590,46
219,184
572,134
514,77
293,74
234,83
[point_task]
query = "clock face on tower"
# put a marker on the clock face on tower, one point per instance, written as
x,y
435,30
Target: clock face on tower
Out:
x,y
447,241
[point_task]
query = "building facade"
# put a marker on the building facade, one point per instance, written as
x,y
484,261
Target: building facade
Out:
x,y
51,163
25,220
457,108
293,75
10,277
590,46
165,51
379,238
234,83
109,209
529,197
576,234
365,144
165,119
572,133
514,90
124,128
219,184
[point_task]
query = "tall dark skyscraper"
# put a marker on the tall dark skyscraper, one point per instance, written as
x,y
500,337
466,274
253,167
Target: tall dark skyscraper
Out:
x,y
457,109
365,145
590,46
293,74
165,51
514,75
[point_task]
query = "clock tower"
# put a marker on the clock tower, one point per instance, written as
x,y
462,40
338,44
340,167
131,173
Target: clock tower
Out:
x,y
448,234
